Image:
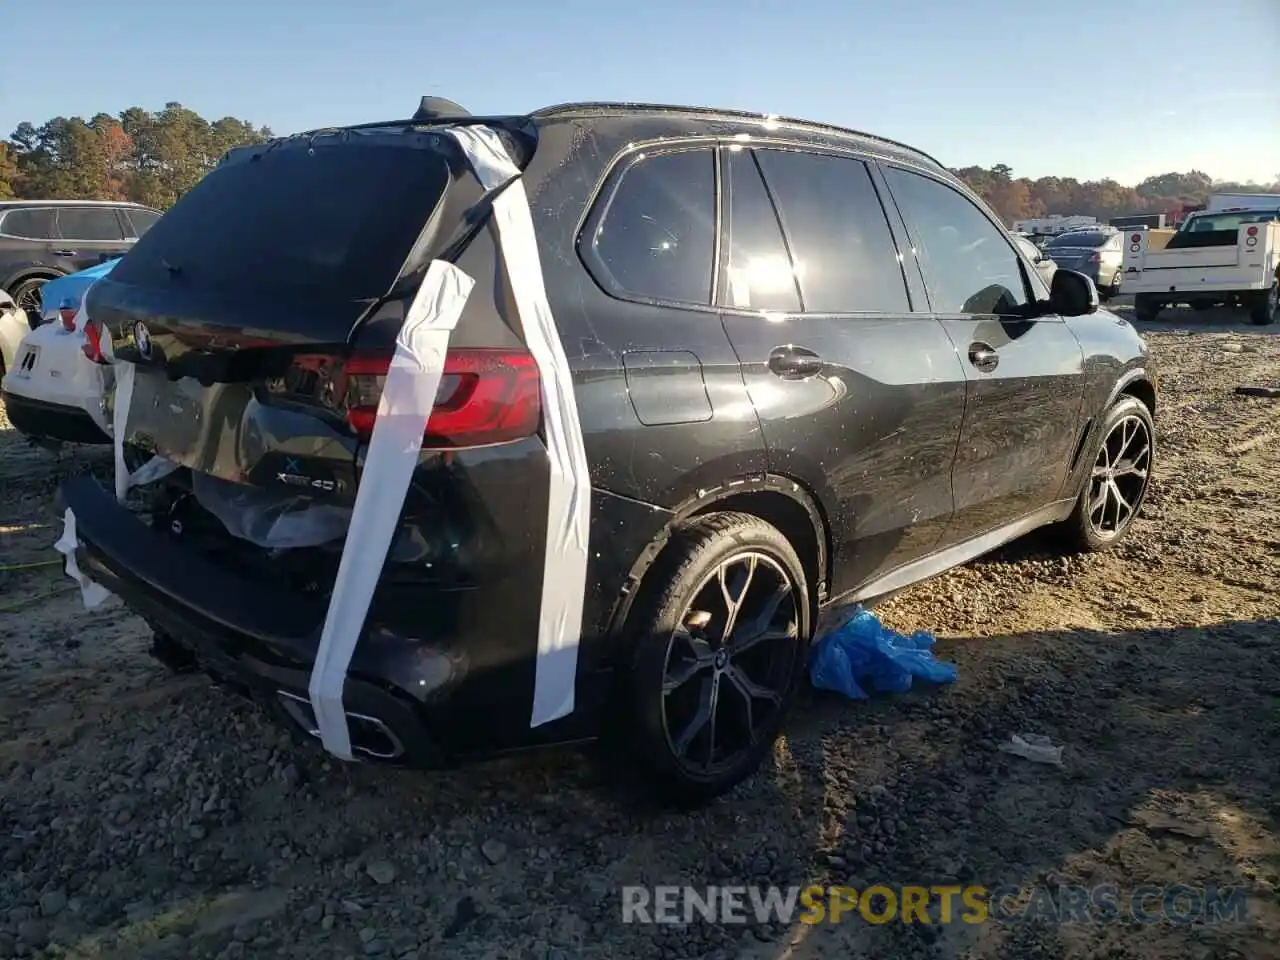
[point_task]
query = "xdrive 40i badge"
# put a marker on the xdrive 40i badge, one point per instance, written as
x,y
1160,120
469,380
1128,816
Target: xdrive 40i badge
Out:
x,y
299,474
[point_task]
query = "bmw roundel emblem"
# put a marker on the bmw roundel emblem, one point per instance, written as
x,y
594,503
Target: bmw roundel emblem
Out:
x,y
142,338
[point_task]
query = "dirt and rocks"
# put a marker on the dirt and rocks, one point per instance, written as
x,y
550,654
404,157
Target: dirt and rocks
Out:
x,y
147,815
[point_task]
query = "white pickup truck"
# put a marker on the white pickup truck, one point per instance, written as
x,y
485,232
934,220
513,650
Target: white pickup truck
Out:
x,y
1216,257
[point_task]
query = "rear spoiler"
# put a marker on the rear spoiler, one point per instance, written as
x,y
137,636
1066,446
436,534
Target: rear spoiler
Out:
x,y
518,132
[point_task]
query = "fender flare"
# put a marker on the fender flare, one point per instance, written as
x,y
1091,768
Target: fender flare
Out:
x,y
32,270
709,497
1129,377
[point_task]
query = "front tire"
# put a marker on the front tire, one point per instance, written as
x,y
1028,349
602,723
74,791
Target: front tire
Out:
x,y
721,644
1119,477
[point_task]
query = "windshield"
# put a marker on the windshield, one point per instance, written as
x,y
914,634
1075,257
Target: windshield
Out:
x,y
1205,223
329,221
1080,240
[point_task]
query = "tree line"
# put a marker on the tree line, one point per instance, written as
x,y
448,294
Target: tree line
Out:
x,y
147,157
1021,198
155,157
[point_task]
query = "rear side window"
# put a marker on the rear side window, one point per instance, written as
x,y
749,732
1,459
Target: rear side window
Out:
x,y
333,223
968,264
656,238
759,274
844,254
141,220
89,223
34,224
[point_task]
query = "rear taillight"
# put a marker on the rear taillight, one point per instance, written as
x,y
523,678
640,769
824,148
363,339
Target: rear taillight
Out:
x,y
67,313
1136,238
1252,231
1095,257
92,346
485,396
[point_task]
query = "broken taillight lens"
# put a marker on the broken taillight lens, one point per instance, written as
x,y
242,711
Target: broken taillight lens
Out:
x,y
92,346
485,396
67,310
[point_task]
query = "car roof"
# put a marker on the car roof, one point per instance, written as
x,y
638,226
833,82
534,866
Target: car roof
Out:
x,y
623,109
769,120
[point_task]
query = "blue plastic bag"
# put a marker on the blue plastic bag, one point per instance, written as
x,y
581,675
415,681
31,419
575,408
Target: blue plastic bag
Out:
x,y
864,654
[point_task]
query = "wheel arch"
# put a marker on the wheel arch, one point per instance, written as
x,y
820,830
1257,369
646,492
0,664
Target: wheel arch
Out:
x,y
27,273
781,501
1135,383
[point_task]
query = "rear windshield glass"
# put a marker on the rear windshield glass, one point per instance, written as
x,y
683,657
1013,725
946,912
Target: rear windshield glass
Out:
x,y
334,221
1226,221
1080,240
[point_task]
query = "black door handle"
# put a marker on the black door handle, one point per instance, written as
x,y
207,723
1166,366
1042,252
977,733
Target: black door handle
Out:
x,y
794,363
64,253
982,356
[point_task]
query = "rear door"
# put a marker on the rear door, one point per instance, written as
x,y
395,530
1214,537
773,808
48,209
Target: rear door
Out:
x,y
88,236
1025,376
859,397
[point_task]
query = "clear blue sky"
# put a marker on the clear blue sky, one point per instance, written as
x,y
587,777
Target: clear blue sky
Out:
x,y
1083,88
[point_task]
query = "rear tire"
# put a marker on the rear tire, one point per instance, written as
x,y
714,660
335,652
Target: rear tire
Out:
x,y
1146,308
1263,310
711,682
1119,476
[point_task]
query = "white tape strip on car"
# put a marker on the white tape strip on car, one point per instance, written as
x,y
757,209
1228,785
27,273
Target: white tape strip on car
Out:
x,y
91,592
392,456
125,374
564,570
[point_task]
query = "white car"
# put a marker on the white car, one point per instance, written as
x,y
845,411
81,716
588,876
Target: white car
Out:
x,y
1043,264
13,327
53,391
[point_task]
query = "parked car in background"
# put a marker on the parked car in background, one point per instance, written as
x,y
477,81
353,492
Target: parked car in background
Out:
x,y
1098,254
41,240
14,325
55,390
867,386
1044,264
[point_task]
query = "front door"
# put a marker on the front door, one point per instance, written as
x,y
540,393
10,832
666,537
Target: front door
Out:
x,y
859,398
1026,375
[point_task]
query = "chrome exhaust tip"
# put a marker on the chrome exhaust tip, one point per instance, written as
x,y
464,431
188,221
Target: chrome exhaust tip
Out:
x,y
369,735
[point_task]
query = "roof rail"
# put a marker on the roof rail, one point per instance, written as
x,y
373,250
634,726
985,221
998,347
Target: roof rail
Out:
x,y
743,114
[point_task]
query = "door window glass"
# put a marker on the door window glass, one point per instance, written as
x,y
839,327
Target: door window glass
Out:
x,y
32,224
657,237
759,275
845,257
89,223
141,220
968,264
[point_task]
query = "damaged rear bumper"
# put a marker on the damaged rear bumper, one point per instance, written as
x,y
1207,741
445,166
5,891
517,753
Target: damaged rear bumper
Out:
x,y
260,638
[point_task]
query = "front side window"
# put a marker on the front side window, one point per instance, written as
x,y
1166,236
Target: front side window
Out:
x,y
844,254
968,264
656,239
30,224
89,223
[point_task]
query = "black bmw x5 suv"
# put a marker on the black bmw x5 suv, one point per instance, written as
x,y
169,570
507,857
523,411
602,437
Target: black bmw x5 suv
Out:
x,y
810,368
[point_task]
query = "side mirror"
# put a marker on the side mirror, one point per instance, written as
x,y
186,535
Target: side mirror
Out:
x,y
1072,294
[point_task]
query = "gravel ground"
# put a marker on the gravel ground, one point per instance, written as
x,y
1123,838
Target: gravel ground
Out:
x,y
144,815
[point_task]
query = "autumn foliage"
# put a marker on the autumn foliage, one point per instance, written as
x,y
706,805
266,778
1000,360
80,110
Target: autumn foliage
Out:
x,y
153,158
150,158
1021,198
